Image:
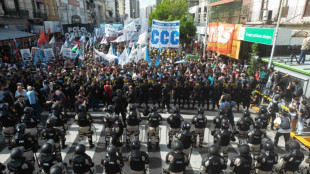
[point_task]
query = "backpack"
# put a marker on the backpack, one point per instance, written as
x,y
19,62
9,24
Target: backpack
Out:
x,y
227,109
274,108
298,91
307,113
285,123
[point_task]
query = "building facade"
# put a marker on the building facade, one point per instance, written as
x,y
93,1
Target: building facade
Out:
x,y
132,8
148,11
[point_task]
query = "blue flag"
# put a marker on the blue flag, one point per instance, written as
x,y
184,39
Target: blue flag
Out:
x,y
35,61
113,50
40,53
46,57
157,62
147,57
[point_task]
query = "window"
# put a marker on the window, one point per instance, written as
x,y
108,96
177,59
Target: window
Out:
x,y
307,8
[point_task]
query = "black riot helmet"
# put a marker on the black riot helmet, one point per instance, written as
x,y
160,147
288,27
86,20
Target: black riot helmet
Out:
x,y
17,153
47,147
111,150
292,145
246,113
153,109
57,169
115,117
186,125
244,149
119,92
50,122
132,107
135,144
4,106
176,110
225,124
28,110
82,108
221,111
178,146
257,124
80,149
262,110
214,149
20,127
110,108
200,111
269,146
55,107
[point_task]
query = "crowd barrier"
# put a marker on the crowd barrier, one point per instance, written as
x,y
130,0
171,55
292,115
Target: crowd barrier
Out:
x,y
305,140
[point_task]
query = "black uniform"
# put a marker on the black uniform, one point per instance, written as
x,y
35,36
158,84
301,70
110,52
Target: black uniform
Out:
x,y
174,120
81,163
166,98
186,89
153,120
19,107
8,121
18,164
196,94
243,163
214,163
120,105
112,163
156,93
200,123
116,134
84,120
292,160
144,93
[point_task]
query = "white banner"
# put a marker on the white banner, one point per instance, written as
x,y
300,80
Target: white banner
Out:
x,y
50,53
110,31
25,53
165,34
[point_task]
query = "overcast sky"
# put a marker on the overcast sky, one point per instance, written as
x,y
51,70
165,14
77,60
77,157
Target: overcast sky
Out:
x,y
145,3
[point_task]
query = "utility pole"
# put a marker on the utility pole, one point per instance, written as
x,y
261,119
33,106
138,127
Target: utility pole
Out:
x,y
206,32
275,35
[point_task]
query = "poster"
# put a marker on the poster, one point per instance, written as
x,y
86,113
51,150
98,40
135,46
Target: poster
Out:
x,y
235,49
49,53
165,34
35,51
25,53
66,53
212,39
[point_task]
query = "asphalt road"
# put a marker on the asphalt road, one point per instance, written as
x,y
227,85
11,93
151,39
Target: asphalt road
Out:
x,y
156,156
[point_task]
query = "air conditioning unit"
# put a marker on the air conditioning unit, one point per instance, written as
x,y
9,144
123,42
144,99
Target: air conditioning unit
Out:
x,y
266,15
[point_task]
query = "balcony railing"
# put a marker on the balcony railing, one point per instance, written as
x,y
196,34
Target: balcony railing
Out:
x,y
10,11
40,15
24,13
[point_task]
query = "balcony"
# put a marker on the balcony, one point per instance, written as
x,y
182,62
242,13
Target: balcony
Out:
x,y
40,15
220,2
10,12
24,13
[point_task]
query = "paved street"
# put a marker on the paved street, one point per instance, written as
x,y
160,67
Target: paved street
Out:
x,y
156,156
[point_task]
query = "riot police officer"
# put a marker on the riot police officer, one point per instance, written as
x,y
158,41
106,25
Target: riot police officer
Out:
x,y
18,164
174,120
166,97
144,93
186,137
293,157
133,119
186,94
243,163
117,133
120,105
244,124
266,160
200,123
58,116
153,120
84,120
26,140
255,138
80,161
30,121
176,159
137,159
112,163
196,94
8,121
224,137
108,123
263,117
49,132
214,163
176,94
156,93
58,168
47,157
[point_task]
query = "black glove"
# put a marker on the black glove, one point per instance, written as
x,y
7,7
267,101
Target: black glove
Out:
x,y
92,165
233,139
2,167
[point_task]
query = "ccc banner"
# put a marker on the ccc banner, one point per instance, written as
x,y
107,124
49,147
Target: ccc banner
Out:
x,y
165,34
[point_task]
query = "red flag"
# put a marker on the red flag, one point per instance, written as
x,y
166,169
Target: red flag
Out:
x,y
48,34
17,52
41,39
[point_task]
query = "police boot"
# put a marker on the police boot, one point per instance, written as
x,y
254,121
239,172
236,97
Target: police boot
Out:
x,y
169,145
200,144
149,145
91,145
63,144
157,145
